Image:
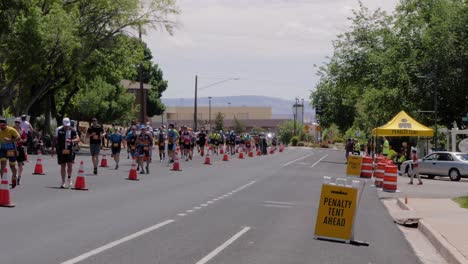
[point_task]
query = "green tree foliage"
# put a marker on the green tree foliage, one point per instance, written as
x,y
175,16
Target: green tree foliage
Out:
x,y
153,75
286,131
219,122
52,51
387,63
239,126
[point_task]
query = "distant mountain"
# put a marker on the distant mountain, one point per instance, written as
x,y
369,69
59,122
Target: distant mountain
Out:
x,y
281,108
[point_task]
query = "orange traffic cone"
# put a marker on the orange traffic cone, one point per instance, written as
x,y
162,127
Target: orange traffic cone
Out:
x,y
225,157
251,154
272,150
281,148
241,155
104,161
221,151
38,169
176,165
80,181
207,159
132,175
259,153
5,191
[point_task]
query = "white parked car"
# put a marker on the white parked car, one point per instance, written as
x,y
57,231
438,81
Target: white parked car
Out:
x,y
441,163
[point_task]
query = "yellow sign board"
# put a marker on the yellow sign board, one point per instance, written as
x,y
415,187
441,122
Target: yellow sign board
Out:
x,y
354,166
336,212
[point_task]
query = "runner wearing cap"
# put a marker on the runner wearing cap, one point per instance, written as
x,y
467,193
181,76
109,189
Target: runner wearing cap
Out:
x,y
172,136
20,153
63,147
8,139
131,141
94,133
116,144
143,142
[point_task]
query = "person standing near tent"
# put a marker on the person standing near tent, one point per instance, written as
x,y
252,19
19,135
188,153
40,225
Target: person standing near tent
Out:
x,y
415,166
385,147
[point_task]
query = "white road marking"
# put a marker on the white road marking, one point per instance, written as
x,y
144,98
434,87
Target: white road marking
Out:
x,y
197,208
182,214
116,243
209,202
215,252
189,211
297,159
274,202
277,206
203,205
319,160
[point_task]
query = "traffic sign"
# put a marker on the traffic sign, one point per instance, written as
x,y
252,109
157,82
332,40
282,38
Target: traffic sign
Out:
x,y
336,212
354,166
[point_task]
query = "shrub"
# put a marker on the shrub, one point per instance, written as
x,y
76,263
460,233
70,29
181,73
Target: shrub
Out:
x,y
301,144
294,140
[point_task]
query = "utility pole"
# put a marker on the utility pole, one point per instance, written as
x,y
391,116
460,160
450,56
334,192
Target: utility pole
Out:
x,y
209,112
303,111
195,105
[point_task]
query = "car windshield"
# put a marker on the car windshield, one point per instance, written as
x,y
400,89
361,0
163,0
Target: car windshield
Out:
x,y
463,156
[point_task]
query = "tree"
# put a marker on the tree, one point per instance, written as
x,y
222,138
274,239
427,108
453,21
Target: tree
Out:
x,y
153,75
239,126
50,50
387,63
286,130
219,122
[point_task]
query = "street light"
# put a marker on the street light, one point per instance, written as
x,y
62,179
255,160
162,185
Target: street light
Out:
x,y
195,117
433,77
209,111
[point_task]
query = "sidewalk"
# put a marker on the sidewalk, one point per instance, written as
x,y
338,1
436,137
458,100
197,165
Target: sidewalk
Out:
x,y
444,223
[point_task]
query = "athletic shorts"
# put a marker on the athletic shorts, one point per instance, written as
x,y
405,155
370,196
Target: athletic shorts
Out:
x,y
9,155
201,143
65,158
21,155
187,146
161,147
171,147
115,150
95,149
142,151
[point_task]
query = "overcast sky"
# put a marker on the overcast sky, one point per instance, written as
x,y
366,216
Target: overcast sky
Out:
x,y
270,45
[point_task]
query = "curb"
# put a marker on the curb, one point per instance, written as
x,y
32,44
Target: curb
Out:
x,y
402,205
446,250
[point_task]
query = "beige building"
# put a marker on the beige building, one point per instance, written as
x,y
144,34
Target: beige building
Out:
x,y
251,117
203,113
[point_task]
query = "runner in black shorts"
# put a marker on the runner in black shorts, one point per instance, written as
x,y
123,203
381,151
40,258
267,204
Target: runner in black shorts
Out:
x,y
116,145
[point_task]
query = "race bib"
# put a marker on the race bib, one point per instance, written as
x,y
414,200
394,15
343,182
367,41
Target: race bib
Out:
x,y
161,144
145,148
11,153
66,152
95,137
116,145
132,147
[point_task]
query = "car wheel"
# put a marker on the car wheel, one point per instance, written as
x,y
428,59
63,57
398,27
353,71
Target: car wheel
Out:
x,y
430,177
454,175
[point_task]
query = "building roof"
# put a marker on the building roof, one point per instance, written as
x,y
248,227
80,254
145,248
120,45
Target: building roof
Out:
x,y
132,85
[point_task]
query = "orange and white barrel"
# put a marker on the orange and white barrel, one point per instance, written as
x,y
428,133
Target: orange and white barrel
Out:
x,y
390,178
379,174
366,167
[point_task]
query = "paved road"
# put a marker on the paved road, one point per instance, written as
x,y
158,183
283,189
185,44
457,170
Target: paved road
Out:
x,y
256,210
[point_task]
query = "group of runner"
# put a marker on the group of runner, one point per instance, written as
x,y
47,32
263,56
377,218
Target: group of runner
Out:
x,y
12,143
139,140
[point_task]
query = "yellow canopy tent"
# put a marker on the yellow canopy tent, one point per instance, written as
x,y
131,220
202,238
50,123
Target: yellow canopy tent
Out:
x,y
403,125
